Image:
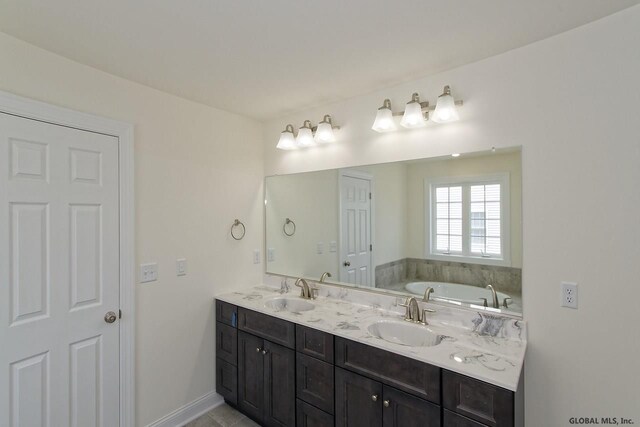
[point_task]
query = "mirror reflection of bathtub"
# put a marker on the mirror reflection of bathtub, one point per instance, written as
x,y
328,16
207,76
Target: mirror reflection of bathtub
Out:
x,y
454,292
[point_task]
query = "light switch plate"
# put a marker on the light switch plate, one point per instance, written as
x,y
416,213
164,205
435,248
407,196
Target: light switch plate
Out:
x,y
148,272
569,294
333,246
181,267
271,254
320,248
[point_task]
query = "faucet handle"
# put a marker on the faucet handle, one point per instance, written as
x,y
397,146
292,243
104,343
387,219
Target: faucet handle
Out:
x,y
505,304
314,292
484,300
425,311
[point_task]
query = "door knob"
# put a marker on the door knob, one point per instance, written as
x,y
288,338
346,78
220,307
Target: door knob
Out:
x,y
374,397
346,264
110,317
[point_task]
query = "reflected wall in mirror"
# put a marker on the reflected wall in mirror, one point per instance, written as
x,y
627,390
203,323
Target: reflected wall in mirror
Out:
x,y
452,224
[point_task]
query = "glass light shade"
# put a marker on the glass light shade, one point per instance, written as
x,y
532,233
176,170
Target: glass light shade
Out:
x,y
413,117
446,110
305,136
324,133
384,119
287,141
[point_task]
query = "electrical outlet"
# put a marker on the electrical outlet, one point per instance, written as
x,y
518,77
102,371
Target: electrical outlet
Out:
x,y
569,294
181,267
320,248
256,256
148,272
271,254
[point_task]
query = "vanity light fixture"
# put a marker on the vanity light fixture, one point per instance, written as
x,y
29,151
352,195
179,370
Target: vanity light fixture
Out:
x,y
324,131
287,140
446,110
413,116
305,135
384,118
416,113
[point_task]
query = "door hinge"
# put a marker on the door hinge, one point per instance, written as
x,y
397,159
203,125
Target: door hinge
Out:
x,y
371,247
119,314
369,196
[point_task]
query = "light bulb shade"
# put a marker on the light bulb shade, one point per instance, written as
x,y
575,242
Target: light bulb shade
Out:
x,y
324,133
384,119
413,117
446,110
305,136
287,141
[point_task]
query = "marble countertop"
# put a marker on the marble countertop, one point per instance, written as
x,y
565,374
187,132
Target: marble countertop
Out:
x,y
484,346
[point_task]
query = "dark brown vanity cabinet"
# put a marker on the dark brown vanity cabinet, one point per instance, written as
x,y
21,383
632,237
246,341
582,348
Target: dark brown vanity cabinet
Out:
x,y
283,374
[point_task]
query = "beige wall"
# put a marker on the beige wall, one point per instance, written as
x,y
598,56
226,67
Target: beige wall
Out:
x,y
196,169
571,102
463,166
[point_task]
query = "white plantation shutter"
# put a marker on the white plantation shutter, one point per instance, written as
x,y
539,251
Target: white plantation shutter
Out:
x,y
468,218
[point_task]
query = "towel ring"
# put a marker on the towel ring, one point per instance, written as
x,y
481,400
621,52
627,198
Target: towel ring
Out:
x,y
237,223
284,227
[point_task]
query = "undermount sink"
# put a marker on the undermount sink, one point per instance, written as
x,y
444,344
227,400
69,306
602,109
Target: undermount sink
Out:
x,y
294,305
404,333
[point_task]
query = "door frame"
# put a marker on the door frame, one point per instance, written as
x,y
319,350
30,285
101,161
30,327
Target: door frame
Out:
x,y
342,173
43,112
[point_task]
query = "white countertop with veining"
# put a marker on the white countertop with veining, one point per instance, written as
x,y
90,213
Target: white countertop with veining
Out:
x,y
484,346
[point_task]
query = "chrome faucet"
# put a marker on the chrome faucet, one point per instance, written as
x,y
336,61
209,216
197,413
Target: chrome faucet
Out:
x,y
494,297
324,276
427,294
306,291
413,310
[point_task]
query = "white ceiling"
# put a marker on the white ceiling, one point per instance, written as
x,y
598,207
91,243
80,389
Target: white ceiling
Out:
x,y
266,58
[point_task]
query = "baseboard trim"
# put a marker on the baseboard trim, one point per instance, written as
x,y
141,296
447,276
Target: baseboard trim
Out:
x,y
190,411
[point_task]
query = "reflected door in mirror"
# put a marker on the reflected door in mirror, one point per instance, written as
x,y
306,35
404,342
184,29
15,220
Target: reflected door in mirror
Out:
x,y
355,239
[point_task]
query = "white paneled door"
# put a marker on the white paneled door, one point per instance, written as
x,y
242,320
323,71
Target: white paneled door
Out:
x,y
59,276
355,239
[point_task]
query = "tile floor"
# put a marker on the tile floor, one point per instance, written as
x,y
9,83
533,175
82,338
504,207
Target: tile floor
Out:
x,y
223,416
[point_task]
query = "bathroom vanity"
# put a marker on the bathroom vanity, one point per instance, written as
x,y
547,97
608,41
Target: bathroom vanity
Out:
x,y
285,361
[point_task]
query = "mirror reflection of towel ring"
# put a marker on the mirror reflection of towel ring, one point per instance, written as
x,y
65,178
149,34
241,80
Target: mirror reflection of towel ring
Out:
x,y
238,223
284,227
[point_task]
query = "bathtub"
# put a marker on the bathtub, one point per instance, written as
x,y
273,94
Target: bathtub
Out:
x,y
455,292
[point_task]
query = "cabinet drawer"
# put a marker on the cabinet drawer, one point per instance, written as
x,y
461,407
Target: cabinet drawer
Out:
x,y
310,416
451,419
227,381
480,401
276,330
314,382
412,376
226,313
227,343
314,343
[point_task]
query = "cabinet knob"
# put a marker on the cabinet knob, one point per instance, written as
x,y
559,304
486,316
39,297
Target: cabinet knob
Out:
x,y
374,397
386,403
264,351
257,349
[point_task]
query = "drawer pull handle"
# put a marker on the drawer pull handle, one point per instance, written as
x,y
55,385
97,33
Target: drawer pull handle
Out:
x,y
386,403
374,397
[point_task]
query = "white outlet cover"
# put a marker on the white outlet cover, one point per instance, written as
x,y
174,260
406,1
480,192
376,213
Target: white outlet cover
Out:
x,y
256,256
181,267
333,246
271,254
148,272
320,248
569,294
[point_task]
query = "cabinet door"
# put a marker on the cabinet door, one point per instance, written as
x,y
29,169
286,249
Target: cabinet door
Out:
x,y
358,400
250,375
400,409
227,381
314,382
279,385
227,343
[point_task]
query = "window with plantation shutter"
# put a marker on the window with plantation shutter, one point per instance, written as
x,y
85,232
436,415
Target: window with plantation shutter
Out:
x,y
468,219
